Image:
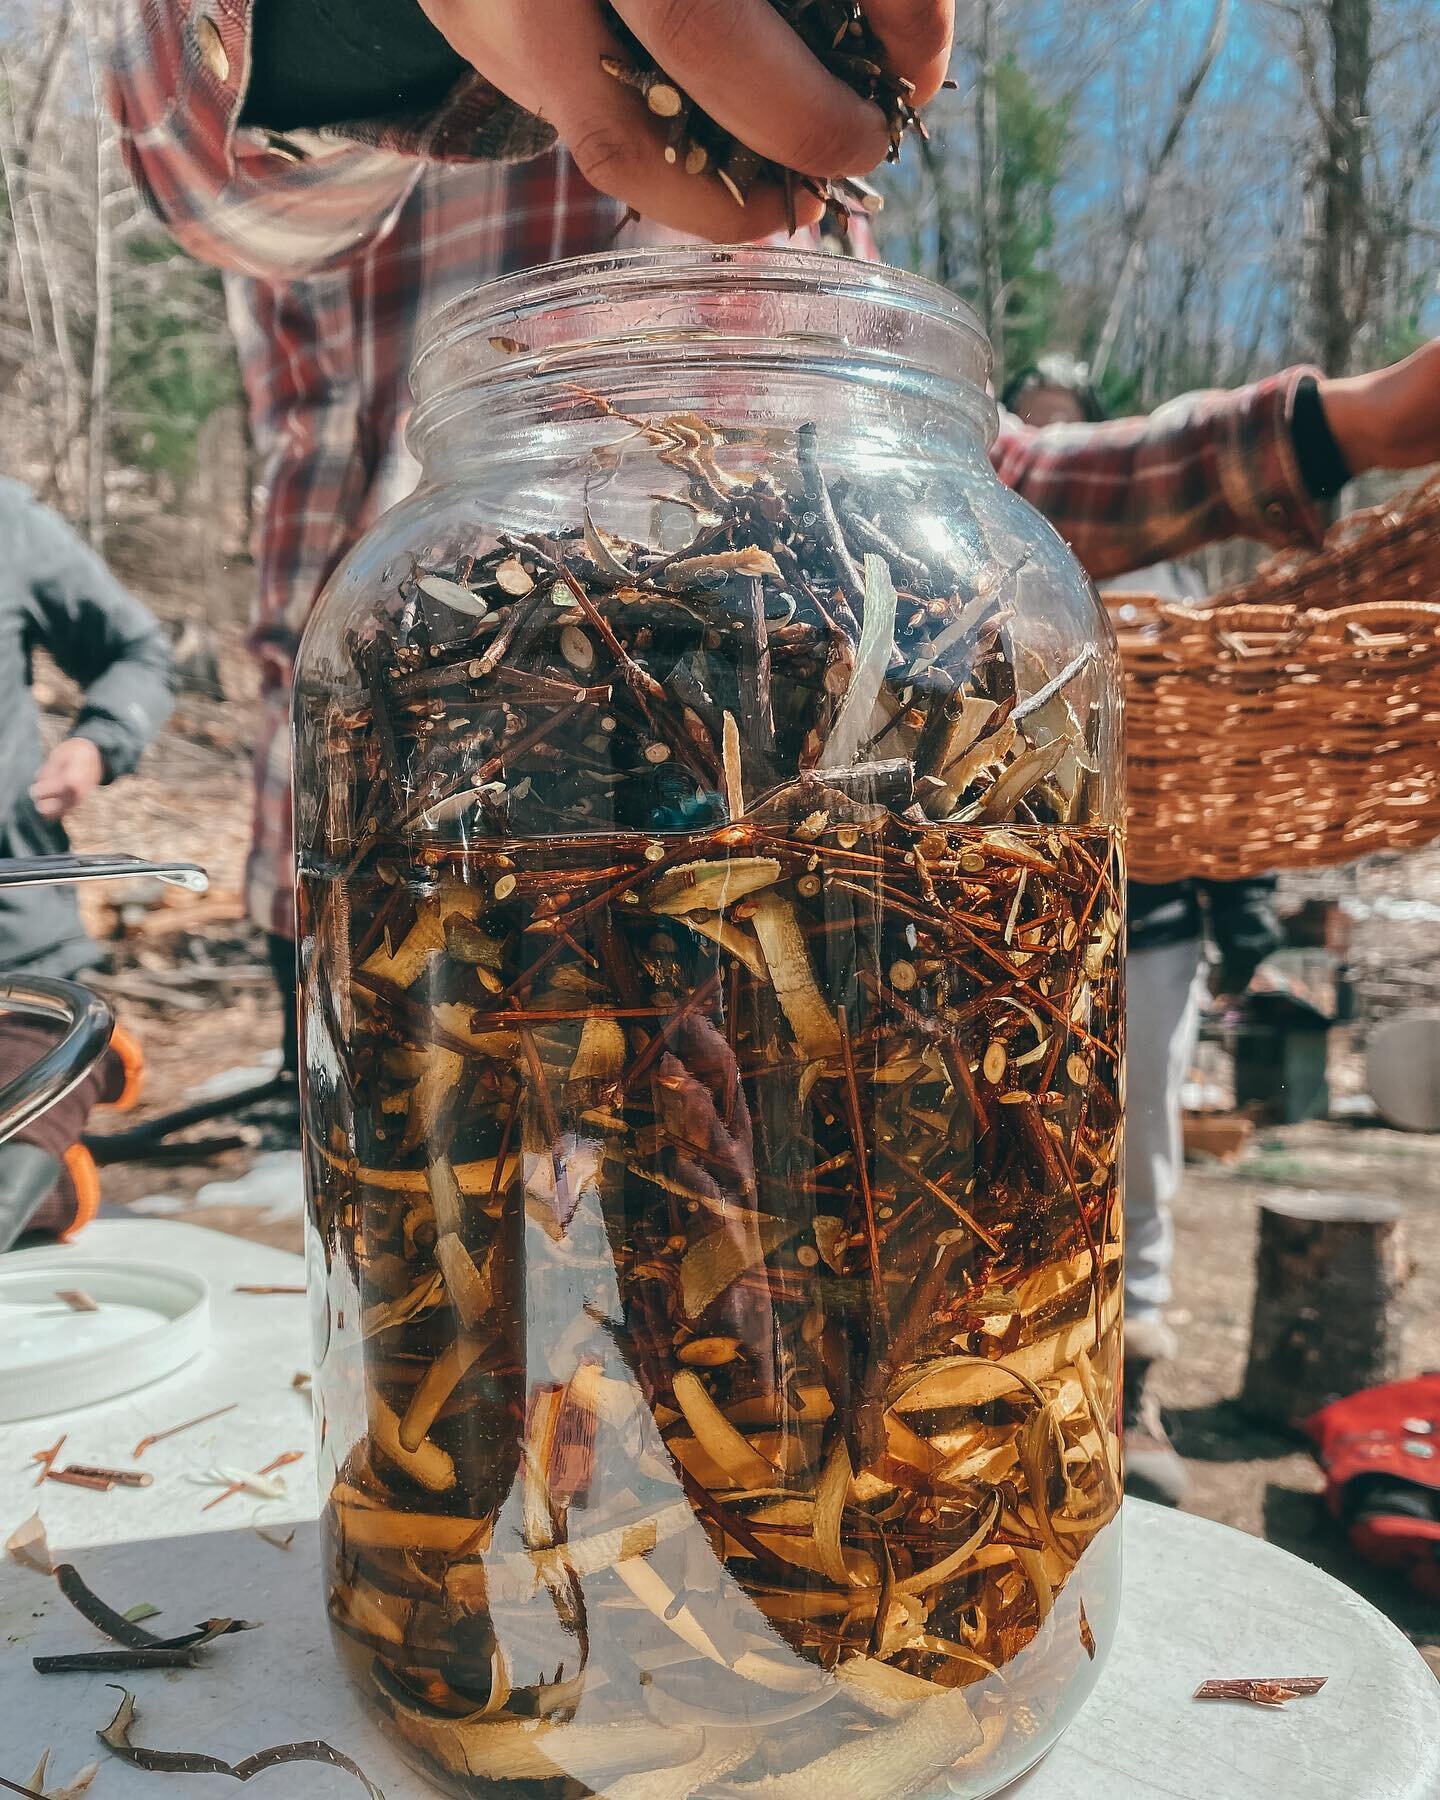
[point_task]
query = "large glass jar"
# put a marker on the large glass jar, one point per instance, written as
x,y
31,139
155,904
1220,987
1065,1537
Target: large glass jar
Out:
x,y
708,811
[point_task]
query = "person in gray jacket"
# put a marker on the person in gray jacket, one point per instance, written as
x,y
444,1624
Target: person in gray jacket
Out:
x,y
56,594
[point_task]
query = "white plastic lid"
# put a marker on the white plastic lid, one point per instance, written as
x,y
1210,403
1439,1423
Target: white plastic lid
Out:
x,y
149,1321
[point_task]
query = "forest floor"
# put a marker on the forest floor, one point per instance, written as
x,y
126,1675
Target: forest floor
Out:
x,y
191,981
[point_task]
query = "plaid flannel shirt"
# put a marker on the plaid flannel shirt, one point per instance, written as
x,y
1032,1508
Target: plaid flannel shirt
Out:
x,y
337,243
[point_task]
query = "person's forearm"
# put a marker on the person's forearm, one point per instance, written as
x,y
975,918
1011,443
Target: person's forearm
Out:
x,y
1205,467
1389,418
1258,462
126,708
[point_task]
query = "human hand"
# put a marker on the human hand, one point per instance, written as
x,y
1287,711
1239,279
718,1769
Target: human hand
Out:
x,y
738,60
69,774
1389,419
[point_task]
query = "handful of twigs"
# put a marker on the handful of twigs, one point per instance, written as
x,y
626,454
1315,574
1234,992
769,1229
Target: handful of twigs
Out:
x,y
837,32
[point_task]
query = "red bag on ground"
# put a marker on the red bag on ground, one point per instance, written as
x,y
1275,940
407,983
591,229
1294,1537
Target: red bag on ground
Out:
x,y
1380,1450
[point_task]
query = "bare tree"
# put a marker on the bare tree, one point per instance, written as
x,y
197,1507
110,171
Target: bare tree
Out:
x,y
110,339
1333,51
1132,224
104,315
988,152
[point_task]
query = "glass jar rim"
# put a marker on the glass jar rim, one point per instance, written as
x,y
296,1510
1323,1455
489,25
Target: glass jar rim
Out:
x,y
555,319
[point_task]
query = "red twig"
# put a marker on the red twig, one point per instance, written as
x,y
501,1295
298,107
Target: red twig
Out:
x,y
650,1055
862,1168
238,1487
936,1192
84,1474
46,1458
101,1484
158,1437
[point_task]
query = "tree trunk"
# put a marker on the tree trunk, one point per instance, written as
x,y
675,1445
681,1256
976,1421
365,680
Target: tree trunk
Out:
x,y
1343,253
1133,223
947,261
1329,1275
104,319
989,275
51,63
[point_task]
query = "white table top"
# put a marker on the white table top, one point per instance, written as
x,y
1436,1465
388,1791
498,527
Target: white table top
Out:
x,y
1201,1601
258,1345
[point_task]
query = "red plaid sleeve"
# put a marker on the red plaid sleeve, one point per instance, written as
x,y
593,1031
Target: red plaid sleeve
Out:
x,y
257,202
1205,467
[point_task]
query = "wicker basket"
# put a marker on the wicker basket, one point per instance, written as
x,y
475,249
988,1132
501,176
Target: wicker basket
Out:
x,y
1295,721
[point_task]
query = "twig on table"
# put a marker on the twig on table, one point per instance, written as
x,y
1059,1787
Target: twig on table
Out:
x,y
131,1478
46,1458
158,1437
240,1487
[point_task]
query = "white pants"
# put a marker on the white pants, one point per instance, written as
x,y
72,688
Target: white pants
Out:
x,y
1165,989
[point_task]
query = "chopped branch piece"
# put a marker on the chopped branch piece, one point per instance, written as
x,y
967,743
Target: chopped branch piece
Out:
x,y
133,1478
792,975
114,1662
46,1458
852,727
440,1380
427,1463
467,1287
120,1628
1274,1691
158,1437
711,887
713,1263
730,1449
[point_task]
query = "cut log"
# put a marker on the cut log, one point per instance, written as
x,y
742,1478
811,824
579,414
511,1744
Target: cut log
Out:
x,y
1330,1271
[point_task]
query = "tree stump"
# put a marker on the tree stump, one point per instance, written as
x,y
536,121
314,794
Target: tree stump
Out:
x,y
1329,1275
